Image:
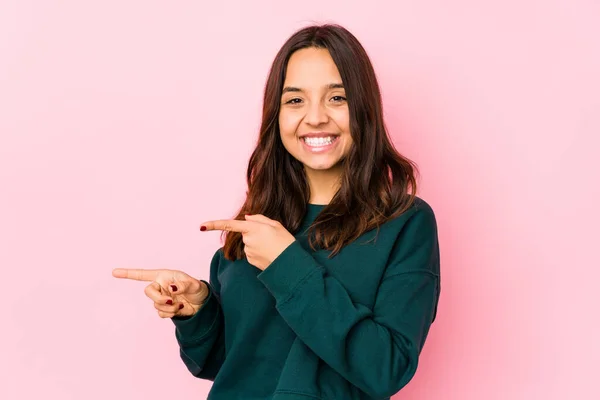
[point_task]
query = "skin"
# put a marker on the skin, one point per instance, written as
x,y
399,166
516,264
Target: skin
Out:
x,y
309,103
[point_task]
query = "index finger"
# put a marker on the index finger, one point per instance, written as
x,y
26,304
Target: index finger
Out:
x,y
135,274
231,225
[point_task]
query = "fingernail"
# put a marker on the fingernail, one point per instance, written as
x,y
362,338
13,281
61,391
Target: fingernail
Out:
x,y
248,215
202,228
169,302
174,288
180,306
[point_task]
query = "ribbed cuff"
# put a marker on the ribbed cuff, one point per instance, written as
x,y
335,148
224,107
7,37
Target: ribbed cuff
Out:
x,y
195,327
288,271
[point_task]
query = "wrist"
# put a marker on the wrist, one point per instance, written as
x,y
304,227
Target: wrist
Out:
x,y
203,292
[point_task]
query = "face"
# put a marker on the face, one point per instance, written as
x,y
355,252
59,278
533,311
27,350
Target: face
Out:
x,y
314,120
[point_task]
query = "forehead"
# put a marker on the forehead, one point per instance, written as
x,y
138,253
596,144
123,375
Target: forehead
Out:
x,y
311,68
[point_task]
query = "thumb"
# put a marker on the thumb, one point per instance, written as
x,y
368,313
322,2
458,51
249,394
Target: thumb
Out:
x,y
174,286
168,287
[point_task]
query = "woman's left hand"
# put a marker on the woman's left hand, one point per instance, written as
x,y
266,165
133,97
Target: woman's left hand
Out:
x,y
264,238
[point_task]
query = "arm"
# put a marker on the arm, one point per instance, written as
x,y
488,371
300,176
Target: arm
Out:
x,y
376,350
200,337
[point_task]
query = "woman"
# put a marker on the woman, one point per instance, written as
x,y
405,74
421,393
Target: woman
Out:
x,y
328,280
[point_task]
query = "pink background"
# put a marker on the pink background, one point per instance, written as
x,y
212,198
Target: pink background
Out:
x,y
124,124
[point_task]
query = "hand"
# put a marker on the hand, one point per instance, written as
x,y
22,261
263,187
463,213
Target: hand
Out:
x,y
264,238
174,293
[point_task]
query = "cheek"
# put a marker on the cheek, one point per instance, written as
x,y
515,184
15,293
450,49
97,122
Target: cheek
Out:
x,y
342,120
288,124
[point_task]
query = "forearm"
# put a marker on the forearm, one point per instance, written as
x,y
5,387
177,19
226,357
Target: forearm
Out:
x,y
200,338
377,350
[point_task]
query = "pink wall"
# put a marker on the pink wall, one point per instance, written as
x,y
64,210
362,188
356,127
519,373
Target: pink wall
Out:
x,y
121,121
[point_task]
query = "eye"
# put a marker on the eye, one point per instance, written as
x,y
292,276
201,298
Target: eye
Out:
x,y
295,100
338,99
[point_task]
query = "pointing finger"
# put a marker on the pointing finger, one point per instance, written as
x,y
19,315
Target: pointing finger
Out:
x,y
135,274
230,225
261,218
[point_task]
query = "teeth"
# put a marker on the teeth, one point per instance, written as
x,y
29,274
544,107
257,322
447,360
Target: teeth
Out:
x,y
319,141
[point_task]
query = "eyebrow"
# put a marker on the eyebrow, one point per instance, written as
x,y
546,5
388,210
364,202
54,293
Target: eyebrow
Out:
x,y
295,89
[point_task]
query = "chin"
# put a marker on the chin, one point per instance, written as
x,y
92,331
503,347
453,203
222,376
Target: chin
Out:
x,y
321,166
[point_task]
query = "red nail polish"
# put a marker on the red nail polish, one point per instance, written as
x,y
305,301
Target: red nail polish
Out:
x,y
180,306
174,288
202,228
169,302
249,215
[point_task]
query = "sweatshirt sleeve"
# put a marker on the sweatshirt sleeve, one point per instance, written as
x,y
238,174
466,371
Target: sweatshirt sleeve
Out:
x,y
201,337
375,349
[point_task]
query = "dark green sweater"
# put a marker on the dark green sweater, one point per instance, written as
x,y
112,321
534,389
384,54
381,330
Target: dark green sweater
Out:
x,y
309,327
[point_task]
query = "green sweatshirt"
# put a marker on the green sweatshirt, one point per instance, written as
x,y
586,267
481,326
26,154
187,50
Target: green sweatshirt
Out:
x,y
309,327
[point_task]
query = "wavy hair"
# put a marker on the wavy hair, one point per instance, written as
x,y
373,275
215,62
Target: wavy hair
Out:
x,y
375,180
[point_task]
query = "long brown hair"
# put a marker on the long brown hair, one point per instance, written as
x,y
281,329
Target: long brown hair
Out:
x,y
376,178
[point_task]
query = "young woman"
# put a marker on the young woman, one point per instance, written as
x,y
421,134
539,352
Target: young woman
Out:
x,y
329,279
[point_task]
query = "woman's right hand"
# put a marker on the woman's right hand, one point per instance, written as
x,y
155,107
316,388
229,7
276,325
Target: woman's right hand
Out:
x,y
174,293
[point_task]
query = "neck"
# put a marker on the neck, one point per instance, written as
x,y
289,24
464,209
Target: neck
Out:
x,y
323,184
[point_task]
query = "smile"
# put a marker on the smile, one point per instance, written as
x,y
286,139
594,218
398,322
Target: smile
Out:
x,y
319,145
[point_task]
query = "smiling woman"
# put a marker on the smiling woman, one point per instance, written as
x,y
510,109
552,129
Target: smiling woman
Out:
x,y
323,141
329,288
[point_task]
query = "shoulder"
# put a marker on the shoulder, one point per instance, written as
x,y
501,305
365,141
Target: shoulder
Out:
x,y
420,213
416,244
423,212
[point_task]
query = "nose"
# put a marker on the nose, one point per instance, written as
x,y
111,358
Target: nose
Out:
x,y
316,114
